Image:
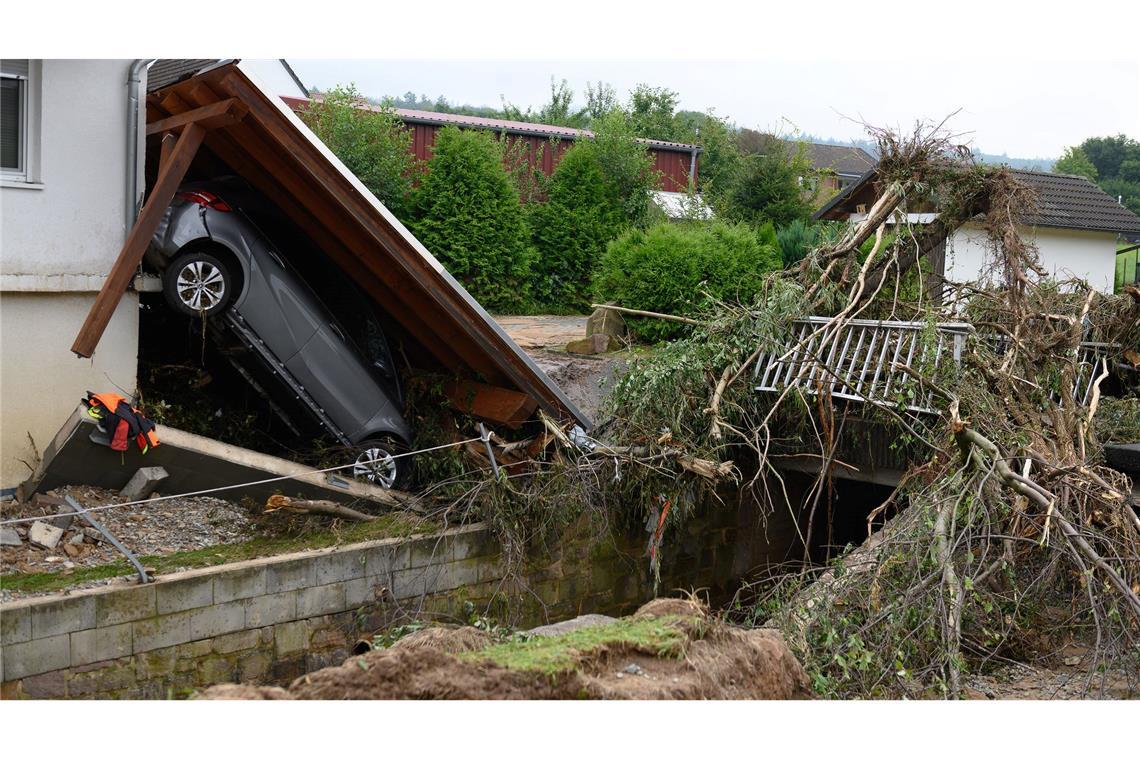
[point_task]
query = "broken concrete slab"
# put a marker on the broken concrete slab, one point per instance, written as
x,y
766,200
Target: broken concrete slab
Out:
x,y
9,537
65,516
143,482
44,535
194,463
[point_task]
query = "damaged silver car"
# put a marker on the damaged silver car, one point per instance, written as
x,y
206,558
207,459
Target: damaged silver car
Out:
x,y
219,265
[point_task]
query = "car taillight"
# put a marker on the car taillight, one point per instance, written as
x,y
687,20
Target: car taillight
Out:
x,y
205,198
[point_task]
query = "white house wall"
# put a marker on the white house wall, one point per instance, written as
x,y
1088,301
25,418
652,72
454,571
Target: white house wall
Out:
x,y
1064,253
58,239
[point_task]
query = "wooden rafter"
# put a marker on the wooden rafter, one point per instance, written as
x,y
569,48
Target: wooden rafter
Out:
x,y
169,178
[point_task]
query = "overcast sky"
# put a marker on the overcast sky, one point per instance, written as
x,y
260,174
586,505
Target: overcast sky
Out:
x,y
1022,108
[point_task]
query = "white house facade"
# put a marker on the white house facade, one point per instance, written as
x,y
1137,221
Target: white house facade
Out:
x,y
63,219
1088,255
1073,224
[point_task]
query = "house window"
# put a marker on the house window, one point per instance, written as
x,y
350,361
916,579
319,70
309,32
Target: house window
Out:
x,y
17,119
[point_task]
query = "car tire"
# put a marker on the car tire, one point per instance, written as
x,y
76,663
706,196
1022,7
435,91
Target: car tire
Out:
x,y
198,284
375,464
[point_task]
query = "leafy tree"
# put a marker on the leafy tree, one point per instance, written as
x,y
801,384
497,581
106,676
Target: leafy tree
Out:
x,y
1074,161
558,110
373,144
625,164
599,188
1108,153
651,112
466,211
669,267
600,101
720,159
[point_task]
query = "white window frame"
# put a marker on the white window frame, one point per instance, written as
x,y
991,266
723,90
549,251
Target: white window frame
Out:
x,y
27,175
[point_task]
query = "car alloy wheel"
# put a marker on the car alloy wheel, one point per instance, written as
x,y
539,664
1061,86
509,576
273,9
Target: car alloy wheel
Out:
x,y
376,465
201,286
198,284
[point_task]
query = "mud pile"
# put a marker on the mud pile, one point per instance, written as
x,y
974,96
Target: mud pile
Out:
x,y
696,658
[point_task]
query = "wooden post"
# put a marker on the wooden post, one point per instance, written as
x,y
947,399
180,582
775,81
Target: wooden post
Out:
x,y
166,148
169,178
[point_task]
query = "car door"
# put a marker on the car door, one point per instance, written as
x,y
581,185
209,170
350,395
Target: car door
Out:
x,y
335,375
279,308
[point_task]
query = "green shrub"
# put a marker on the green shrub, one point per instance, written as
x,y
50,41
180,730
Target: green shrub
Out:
x,y
466,211
669,268
374,145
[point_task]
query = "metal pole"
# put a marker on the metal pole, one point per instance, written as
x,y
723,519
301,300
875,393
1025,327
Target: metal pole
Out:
x,y
485,435
144,578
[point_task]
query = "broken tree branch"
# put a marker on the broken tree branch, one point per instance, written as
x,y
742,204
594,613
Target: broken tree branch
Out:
x,y
651,314
315,506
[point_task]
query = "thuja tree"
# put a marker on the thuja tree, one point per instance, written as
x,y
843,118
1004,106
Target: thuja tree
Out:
x,y
599,189
466,211
373,144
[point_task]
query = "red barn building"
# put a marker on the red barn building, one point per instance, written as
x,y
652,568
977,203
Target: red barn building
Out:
x,y
676,163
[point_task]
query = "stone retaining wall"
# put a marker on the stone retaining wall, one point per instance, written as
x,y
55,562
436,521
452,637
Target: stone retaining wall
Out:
x,y
270,620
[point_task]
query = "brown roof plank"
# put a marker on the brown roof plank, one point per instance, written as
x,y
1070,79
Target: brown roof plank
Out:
x,y
216,114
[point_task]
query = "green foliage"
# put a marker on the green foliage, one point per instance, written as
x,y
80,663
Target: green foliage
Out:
x,y
571,230
661,636
1128,192
1075,161
1108,154
651,112
558,110
669,268
1115,162
720,159
774,185
467,213
669,388
627,167
796,239
373,144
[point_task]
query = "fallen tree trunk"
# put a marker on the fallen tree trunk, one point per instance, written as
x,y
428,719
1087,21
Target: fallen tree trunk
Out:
x,y
315,506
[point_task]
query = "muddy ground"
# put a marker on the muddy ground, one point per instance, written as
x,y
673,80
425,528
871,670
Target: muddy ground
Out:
x,y
713,661
585,379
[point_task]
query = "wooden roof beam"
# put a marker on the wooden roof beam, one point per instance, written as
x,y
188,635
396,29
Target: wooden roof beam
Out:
x,y
130,256
219,114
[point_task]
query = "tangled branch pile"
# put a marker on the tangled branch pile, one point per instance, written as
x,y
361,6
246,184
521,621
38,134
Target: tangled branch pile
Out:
x,y
1009,532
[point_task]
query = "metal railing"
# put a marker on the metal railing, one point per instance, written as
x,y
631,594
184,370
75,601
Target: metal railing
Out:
x,y
863,361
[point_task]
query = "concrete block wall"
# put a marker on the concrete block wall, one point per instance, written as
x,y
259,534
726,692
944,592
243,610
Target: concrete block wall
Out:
x,y
270,620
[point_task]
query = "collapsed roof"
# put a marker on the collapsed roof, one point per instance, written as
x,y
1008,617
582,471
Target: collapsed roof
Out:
x,y
273,150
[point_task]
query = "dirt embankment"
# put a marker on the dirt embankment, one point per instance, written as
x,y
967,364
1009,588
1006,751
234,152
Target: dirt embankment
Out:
x,y
669,649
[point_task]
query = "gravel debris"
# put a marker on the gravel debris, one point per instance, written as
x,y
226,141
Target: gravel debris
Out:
x,y
166,527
